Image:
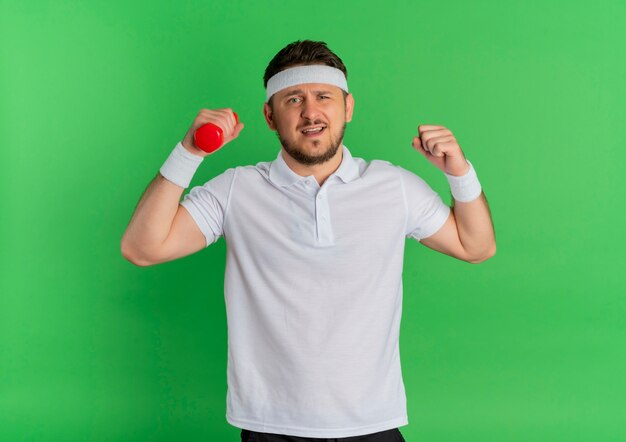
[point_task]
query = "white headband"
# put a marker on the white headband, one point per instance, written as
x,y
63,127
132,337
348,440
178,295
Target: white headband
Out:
x,y
313,73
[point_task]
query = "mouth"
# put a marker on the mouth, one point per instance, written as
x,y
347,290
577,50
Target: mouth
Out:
x,y
313,131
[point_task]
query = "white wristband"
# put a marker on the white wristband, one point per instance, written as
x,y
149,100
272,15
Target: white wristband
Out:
x,y
465,188
180,166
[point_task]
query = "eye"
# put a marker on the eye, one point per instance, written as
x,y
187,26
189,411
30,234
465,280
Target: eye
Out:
x,y
324,96
293,98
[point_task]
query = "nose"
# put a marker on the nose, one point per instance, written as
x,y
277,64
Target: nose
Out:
x,y
310,109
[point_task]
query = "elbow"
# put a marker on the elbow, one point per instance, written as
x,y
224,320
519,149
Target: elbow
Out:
x,y
132,257
484,257
138,262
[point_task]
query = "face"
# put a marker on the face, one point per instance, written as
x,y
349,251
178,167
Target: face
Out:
x,y
307,106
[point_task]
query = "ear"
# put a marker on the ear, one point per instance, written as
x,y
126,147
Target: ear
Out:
x,y
267,113
349,107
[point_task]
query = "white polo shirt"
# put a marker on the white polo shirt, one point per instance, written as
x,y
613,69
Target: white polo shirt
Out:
x,y
313,291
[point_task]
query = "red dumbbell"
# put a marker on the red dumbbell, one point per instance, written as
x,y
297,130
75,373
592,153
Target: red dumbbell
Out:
x,y
210,137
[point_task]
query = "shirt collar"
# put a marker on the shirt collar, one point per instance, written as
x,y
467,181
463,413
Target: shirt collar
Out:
x,y
280,173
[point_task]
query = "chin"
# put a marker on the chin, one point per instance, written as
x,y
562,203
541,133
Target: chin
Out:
x,y
300,148
311,155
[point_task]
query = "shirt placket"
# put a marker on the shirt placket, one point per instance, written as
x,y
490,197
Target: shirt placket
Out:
x,y
322,217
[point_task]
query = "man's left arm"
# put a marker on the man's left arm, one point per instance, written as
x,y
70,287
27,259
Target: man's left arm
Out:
x,y
468,233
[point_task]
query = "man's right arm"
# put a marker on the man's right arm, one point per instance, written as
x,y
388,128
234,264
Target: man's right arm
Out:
x,y
161,229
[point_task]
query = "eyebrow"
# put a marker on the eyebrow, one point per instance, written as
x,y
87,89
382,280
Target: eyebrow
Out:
x,y
300,91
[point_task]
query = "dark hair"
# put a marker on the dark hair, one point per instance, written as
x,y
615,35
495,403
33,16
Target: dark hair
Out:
x,y
303,52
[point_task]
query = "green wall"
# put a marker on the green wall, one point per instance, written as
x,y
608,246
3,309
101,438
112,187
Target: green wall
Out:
x,y
527,346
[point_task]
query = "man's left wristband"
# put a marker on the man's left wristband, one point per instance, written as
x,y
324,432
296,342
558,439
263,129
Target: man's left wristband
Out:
x,y
465,188
180,166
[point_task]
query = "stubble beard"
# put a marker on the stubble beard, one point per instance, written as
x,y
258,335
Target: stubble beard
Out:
x,y
302,157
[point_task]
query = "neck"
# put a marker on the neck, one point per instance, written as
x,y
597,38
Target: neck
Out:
x,y
319,171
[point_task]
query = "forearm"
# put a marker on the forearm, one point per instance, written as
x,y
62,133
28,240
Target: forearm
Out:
x,y
152,219
475,227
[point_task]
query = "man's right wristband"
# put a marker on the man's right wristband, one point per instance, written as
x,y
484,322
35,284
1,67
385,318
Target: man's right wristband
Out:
x,y
180,166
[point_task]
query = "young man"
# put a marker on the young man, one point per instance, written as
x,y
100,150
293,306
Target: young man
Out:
x,y
315,246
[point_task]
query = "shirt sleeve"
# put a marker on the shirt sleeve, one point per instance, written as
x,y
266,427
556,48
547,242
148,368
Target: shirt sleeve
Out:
x,y
208,204
426,211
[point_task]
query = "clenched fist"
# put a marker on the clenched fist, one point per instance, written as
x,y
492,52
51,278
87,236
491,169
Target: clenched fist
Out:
x,y
440,147
224,118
